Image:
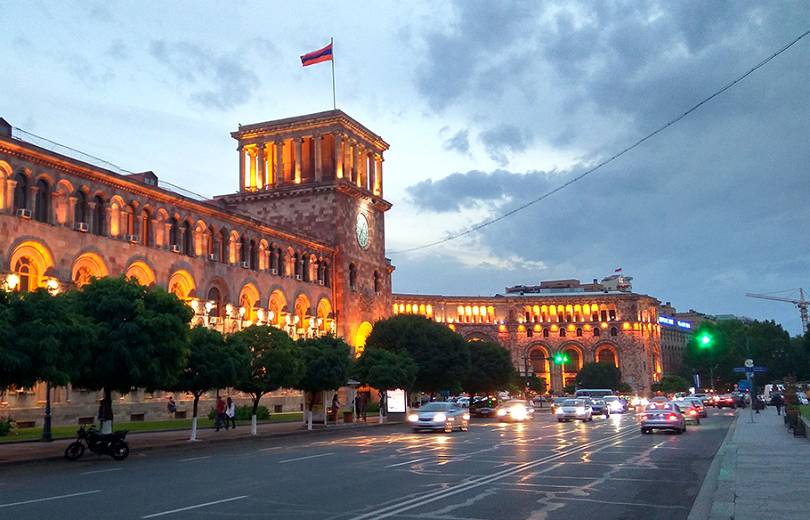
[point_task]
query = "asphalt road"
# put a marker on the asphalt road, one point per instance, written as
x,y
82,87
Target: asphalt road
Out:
x,y
604,469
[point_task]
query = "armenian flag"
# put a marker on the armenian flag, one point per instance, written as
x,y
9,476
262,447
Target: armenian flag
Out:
x,y
311,58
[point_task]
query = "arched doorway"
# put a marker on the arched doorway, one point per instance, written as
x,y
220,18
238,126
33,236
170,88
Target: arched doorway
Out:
x,y
87,267
360,338
141,272
538,364
574,362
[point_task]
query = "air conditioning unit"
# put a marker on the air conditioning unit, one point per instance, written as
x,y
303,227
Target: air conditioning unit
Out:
x,y
212,257
274,271
133,238
244,265
298,277
82,226
24,213
320,282
175,248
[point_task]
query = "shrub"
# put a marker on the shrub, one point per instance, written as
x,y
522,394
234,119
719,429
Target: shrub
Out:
x,y
243,413
6,424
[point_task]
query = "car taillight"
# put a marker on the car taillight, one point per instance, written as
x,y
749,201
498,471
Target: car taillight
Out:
x,y
692,412
672,417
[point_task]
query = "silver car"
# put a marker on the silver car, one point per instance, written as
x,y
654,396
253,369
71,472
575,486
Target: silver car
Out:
x,y
439,415
662,416
573,409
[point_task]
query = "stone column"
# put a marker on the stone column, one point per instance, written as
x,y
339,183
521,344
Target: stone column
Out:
x,y
298,141
372,172
8,205
32,199
338,157
241,168
261,167
316,142
123,223
107,231
278,173
253,153
91,215
358,165
267,155
378,176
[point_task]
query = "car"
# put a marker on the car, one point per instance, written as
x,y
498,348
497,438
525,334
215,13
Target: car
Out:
x,y
689,410
664,416
515,410
483,407
574,409
557,402
740,399
599,407
724,401
616,404
701,408
463,402
439,415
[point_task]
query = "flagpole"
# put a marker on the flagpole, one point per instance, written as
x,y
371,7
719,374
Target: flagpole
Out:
x,y
334,102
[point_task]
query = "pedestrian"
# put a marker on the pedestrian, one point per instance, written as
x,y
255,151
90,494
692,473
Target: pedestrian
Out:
x,y
361,410
778,402
171,406
220,413
335,407
230,414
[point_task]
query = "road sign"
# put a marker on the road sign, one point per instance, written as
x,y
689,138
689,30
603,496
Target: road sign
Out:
x,y
760,370
739,370
749,363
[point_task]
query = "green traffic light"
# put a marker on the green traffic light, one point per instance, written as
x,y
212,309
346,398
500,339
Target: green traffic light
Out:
x,y
558,358
705,340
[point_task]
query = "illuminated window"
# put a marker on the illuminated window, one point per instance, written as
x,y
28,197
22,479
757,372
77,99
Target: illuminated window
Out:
x,y
21,191
27,273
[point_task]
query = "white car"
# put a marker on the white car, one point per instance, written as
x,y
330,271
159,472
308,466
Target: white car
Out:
x,y
574,409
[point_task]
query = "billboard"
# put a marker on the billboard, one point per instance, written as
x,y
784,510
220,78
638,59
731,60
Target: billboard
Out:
x,y
395,401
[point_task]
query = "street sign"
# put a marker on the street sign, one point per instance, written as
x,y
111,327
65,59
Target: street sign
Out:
x,y
739,370
760,370
749,363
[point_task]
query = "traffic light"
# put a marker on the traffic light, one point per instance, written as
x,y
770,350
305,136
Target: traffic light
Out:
x,y
560,358
704,340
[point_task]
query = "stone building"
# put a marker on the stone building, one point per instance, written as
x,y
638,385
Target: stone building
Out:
x,y
300,246
677,329
587,322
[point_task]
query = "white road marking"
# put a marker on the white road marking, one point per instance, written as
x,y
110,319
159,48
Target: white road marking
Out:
x,y
163,513
636,504
190,459
405,463
101,471
305,458
58,497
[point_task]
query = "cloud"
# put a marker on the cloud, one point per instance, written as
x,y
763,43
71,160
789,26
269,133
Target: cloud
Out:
x,y
460,142
499,140
220,81
118,50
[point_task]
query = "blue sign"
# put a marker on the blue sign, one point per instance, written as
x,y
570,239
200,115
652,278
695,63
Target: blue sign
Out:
x,y
750,370
665,320
739,370
760,370
744,385
684,324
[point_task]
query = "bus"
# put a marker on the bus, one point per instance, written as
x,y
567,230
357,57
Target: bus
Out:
x,y
597,393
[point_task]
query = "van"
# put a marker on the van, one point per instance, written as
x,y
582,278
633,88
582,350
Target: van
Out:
x,y
594,392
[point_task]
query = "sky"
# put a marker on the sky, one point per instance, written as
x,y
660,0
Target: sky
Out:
x,y
486,105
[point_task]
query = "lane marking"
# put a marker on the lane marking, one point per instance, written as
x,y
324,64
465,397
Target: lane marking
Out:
x,y
418,501
190,459
58,497
305,458
179,510
635,504
405,463
100,471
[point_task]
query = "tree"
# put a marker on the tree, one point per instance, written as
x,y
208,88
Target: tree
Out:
x,y
385,370
671,384
598,375
212,363
274,363
490,368
140,340
15,364
441,356
49,331
326,367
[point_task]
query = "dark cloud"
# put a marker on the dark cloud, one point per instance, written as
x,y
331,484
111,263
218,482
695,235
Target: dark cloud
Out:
x,y
460,142
504,138
219,81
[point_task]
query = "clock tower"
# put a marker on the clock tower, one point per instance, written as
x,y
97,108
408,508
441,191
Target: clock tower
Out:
x,y
321,176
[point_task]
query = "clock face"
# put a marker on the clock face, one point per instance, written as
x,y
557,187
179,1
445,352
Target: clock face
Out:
x,y
361,230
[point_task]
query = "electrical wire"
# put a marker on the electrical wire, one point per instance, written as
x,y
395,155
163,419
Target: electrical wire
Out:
x,y
489,222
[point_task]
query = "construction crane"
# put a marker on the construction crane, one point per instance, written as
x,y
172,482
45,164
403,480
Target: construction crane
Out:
x,y
801,303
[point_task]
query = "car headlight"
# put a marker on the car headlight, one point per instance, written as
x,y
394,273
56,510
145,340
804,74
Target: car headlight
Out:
x,y
466,417
581,410
502,412
413,417
559,410
440,417
519,413
615,406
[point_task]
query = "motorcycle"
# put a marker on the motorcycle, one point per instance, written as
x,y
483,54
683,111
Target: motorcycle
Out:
x,y
112,444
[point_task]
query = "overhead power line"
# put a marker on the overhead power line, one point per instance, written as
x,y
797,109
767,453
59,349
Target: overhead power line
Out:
x,y
489,222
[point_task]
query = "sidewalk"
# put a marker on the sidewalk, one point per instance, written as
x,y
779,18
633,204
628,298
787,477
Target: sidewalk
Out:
x,y
24,452
760,472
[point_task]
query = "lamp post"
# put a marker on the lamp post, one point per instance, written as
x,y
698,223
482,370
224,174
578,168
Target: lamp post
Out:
x,y
46,425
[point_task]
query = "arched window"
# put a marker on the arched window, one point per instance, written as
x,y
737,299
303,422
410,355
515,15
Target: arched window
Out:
x,y
614,331
222,246
596,332
538,361
174,239
579,332
352,277
376,282
132,221
146,228
187,239
99,216
43,205
243,250
326,281
305,268
28,275
562,332
212,242
612,314
606,356
254,256
20,191
81,214
216,298
573,360
545,333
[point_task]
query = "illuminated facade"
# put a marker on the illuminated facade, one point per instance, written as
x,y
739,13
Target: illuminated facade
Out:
x,y
605,326
300,246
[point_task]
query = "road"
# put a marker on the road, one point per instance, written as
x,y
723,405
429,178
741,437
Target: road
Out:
x,y
604,469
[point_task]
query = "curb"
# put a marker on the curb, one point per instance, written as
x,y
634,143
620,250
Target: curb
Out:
x,y
189,445
716,496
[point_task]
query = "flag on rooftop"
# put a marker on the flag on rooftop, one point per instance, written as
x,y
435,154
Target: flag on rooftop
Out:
x,y
311,58
617,270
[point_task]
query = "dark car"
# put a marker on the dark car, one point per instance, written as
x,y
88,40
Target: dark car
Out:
x,y
739,399
483,407
724,401
600,407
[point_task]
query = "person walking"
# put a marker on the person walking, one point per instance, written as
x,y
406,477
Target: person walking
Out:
x,y
220,413
230,414
778,401
171,406
335,407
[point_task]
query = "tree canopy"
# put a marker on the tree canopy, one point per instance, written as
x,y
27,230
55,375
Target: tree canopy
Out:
x,y
670,384
490,370
441,355
598,375
385,370
326,364
14,363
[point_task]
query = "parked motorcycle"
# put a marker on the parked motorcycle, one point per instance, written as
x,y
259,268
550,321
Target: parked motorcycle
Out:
x,y
112,444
